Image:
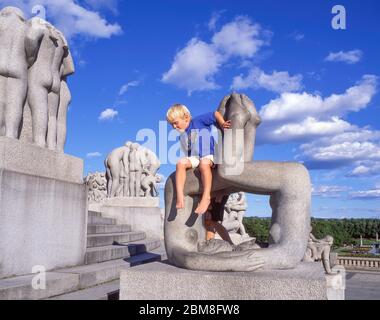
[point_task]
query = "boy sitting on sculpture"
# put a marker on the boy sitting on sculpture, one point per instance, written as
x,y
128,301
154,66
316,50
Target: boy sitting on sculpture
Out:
x,y
199,147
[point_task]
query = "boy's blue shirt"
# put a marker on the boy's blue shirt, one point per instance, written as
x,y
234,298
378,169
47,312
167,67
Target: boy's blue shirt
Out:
x,y
199,125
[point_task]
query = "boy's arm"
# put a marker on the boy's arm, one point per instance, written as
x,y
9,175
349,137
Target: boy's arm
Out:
x,y
221,122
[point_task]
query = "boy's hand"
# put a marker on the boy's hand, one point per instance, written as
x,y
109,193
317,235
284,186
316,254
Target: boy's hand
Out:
x,y
226,124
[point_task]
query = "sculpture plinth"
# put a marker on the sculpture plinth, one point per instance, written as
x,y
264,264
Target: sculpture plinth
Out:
x,y
160,281
42,209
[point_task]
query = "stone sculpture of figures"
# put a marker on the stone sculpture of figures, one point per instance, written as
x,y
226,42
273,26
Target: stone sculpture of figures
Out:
x,y
44,84
18,43
148,183
34,64
319,250
234,213
97,187
131,171
135,170
117,169
287,184
67,69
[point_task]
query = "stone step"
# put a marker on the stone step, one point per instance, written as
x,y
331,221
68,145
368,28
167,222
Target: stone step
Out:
x,y
70,280
98,240
100,220
107,228
106,291
20,288
94,214
99,272
96,273
112,252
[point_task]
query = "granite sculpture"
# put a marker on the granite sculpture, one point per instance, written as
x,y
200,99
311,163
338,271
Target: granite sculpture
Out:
x,y
97,187
35,62
319,250
131,171
43,197
287,184
234,211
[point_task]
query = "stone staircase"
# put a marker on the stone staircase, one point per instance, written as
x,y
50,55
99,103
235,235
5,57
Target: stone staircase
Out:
x,y
110,247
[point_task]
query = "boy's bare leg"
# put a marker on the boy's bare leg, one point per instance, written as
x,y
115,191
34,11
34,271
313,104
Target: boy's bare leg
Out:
x,y
206,174
222,231
180,179
214,226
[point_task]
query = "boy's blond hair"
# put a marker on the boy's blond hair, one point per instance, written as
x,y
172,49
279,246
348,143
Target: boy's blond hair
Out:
x,y
177,111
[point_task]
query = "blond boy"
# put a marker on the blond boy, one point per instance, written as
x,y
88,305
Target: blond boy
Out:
x,y
200,153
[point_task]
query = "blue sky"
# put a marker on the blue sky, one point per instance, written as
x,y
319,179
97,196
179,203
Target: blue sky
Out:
x,y
316,88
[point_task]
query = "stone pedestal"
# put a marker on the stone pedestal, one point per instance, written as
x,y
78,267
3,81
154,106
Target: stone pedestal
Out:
x,y
141,213
43,214
160,281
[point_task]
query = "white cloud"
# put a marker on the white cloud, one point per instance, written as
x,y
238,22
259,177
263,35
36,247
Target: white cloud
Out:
x,y
326,191
294,106
276,82
107,114
71,18
95,154
366,195
309,128
239,38
328,141
195,66
350,57
342,150
366,169
124,88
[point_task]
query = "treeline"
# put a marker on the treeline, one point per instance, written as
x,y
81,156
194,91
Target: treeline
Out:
x,y
344,231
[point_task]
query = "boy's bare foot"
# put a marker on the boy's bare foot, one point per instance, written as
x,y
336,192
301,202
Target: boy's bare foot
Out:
x,y
180,203
203,205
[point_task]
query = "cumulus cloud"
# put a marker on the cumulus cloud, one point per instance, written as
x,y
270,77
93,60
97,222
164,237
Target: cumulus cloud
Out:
x,y
366,169
195,66
277,81
71,18
124,88
304,116
350,57
95,154
239,38
342,150
107,114
309,128
300,105
328,141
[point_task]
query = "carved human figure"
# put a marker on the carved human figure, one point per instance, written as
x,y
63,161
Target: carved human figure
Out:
x,y
18,48
97,186
67,69
135,170
149,160
319,250
44,83
287,184
235,209
148,183
116,163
